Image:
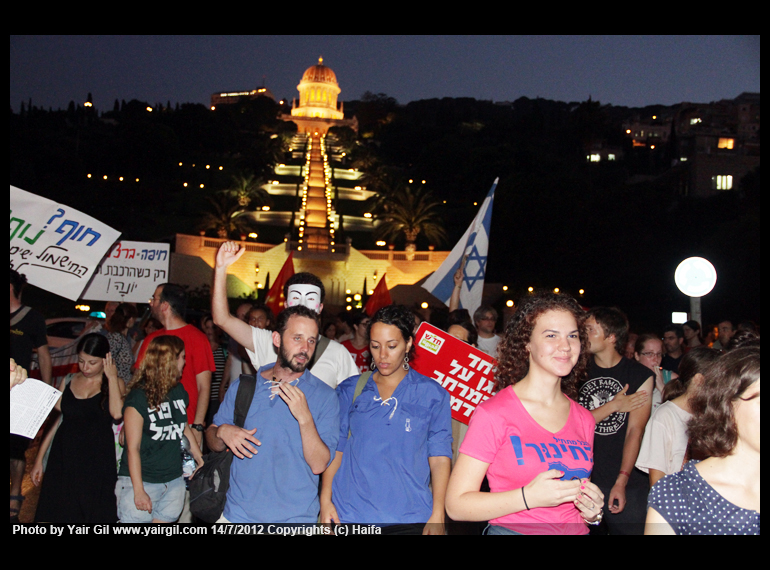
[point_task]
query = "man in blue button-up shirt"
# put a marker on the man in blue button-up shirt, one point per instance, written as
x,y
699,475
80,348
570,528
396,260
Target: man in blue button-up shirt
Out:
x,y
289,436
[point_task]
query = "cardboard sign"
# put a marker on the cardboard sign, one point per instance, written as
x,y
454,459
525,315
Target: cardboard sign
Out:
x,y
130,273
57,247
467,373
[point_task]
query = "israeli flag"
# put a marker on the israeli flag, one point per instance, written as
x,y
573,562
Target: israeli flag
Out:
x,y
470,251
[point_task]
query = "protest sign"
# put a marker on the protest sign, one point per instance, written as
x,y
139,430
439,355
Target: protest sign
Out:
x,y
467,373
130,272
57,247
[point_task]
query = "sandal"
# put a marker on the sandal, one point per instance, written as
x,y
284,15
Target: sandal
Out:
x,y
15,511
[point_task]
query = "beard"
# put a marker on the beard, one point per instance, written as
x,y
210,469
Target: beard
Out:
x,y
290,362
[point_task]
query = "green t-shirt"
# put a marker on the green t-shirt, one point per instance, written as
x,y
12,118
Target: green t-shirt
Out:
x,y
162,431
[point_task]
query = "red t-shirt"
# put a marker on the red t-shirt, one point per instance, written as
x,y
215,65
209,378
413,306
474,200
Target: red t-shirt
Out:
x,y
198,358
362,356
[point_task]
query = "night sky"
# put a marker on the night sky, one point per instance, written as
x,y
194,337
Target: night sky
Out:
x,y
630,71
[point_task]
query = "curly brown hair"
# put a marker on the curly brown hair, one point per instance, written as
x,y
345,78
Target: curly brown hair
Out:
x,y
713,431
158,372
513,355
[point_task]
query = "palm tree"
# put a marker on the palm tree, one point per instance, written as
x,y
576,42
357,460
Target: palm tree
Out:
x,y
227,216
247,189
411,213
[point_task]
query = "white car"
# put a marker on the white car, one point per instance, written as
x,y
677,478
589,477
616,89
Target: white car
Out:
x,y
64,330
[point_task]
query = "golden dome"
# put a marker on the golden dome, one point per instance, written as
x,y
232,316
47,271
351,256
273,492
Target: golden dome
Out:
x,y
319,74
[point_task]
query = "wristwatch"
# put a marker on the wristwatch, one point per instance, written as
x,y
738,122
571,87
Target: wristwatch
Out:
x,y
197,427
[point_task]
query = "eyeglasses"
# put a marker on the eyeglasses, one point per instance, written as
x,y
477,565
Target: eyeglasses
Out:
x,y
652,354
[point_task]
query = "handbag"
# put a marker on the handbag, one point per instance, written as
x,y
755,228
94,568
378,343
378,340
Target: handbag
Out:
x,y
208,487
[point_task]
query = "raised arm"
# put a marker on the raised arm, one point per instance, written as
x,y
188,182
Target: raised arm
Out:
x,y
454,300
116,387
229,252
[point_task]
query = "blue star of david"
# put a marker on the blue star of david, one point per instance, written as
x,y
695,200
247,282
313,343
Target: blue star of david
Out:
x,y
470,278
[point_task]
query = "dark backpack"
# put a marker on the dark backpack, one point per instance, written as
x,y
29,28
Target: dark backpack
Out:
x,y
209,485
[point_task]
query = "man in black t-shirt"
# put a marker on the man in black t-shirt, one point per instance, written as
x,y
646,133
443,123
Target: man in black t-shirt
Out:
x,y
620,420
673,341
27,333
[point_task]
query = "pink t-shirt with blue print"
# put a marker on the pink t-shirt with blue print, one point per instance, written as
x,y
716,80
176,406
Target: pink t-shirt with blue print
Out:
x,y
517,448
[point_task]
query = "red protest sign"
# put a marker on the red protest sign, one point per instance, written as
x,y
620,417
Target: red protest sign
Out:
x,y
467,373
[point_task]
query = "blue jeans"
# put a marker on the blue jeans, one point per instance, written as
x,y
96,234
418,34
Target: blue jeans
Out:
x,y
495,530
167,501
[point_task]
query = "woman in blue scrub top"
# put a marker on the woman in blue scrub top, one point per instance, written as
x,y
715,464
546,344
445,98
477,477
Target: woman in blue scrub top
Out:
x,y
393,459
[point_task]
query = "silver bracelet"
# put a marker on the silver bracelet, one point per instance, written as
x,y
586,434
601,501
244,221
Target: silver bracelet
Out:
x,y
596,522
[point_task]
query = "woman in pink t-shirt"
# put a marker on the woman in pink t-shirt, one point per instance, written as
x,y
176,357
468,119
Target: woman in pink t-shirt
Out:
x,y
532,440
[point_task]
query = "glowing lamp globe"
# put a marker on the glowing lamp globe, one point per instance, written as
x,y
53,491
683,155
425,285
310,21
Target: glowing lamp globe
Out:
x,y
695,277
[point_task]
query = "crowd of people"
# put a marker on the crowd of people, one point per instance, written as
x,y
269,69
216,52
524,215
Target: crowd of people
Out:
x,y
592,429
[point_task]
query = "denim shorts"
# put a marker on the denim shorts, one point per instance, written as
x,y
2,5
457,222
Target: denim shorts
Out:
x,y
167,501
493,530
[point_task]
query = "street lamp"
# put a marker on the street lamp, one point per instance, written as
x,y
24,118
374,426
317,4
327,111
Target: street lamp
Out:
x,y
695,277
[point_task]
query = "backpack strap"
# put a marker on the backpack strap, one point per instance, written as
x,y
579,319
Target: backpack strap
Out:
x,y
362,380
243,398
320,347
20,315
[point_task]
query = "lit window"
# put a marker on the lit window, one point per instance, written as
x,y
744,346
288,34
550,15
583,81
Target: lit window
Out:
x,y
722,182
695,120
595,157
726,143
610,157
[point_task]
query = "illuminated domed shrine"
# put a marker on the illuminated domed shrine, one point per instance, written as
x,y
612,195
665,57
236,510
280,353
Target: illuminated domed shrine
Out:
x,y
318,92
318,108
319,207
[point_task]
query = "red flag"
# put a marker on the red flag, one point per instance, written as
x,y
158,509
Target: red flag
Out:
x,y
275,298
380,298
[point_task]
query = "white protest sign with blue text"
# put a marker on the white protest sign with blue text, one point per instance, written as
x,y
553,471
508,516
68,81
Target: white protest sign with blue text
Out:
x,y
130,272
57,247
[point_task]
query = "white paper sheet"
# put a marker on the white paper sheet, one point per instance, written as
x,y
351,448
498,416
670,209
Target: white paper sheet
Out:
x,y
31,402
